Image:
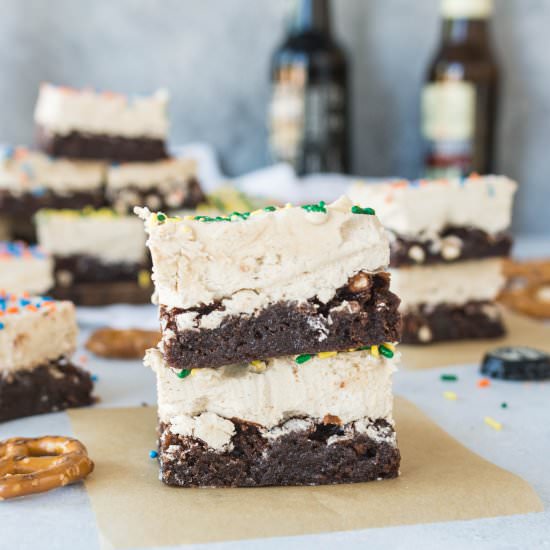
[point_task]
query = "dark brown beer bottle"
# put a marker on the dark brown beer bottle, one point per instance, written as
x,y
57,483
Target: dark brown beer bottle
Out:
x,y
460,95
308,118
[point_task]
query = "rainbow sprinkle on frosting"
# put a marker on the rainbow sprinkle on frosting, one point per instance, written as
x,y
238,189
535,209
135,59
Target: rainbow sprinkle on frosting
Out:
x,y
18,249
12,304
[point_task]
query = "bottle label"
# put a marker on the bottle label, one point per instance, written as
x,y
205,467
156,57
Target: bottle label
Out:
x,y
466,9
307,126
448,124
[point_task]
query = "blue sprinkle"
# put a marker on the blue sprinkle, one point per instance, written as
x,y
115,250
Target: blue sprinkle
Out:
x,y
153,454
24,302
38,192
1,326
95,377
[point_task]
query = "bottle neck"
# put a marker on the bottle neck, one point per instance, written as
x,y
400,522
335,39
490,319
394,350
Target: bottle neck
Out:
x,y
470,32
312,15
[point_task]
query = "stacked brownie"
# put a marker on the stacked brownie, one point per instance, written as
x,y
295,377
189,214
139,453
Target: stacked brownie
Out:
x,y
277,351
99,252
448,239
37,337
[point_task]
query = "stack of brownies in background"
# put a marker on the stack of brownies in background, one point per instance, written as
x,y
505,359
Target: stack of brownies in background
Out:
x,y
277,352
448,240
100,155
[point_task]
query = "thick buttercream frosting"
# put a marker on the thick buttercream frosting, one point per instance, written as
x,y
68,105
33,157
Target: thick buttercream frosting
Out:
x,y
63,110
35,331
456,284
99,233
421,209
350,386
25,171
286,254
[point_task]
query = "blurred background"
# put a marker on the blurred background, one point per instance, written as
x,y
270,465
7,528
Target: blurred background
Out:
x,y
215,56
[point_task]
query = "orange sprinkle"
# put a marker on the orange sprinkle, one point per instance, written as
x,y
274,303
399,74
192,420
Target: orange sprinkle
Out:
x,y
474,176
26,295
12,310
483,383
32,307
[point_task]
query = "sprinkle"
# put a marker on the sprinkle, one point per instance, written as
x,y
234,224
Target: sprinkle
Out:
x,y
483,383
450,395
359,210
491,422
385,351
326,354
2,326
288,205
259,366
184,373
94,377
194,372
303,358
144,279
161,217
270,208
153,454
319,207
449,377
374,351
390,346
504,405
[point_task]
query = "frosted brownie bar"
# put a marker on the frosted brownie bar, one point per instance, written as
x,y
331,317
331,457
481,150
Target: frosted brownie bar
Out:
x,y
277,281
86,124
37,338
447,238
285,421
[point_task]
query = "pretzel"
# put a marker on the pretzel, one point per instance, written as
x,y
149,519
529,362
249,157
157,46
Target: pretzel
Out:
x,y
122,344
36,465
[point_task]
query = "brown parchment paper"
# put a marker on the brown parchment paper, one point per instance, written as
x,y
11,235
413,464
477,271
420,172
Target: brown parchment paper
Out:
x,y
441,481
522,331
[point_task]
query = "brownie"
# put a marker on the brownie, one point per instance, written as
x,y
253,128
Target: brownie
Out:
x,y
288,328
78,145
464,243
444,322
52,387
296,458
27,204
104,293
124,200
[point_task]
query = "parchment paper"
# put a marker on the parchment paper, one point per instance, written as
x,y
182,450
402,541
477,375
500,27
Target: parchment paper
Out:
x,y
522,331
441,481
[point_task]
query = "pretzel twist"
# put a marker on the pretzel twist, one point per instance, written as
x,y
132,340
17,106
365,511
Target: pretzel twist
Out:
x,y
36,465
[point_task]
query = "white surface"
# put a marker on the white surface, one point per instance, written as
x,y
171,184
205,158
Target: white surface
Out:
x,y
64,518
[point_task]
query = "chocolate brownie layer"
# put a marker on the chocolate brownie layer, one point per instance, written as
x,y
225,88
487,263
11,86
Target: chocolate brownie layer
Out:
x,y
124,200
363,313
311,457
89,269
475,320
102,294
53,387
453,244
28,204
78,145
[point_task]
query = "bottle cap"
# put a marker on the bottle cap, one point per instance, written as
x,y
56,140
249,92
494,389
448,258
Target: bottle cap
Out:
x,y
466,9
516,363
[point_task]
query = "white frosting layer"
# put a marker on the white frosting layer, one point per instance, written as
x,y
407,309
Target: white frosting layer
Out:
x,y
63,110
349,386
455,283
32,338
101,233
422,209
290,254
26,270
24,171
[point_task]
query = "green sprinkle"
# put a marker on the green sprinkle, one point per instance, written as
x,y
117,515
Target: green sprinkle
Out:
x,y
270,208
303,358
359,210
184,373
504,405
449,377
386,352
161,217
319,207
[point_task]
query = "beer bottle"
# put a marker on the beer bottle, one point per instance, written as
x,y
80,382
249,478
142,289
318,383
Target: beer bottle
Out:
x,y
459,97
308,118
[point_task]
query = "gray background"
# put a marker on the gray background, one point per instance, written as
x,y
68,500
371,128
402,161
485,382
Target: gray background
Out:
x,y
213,55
